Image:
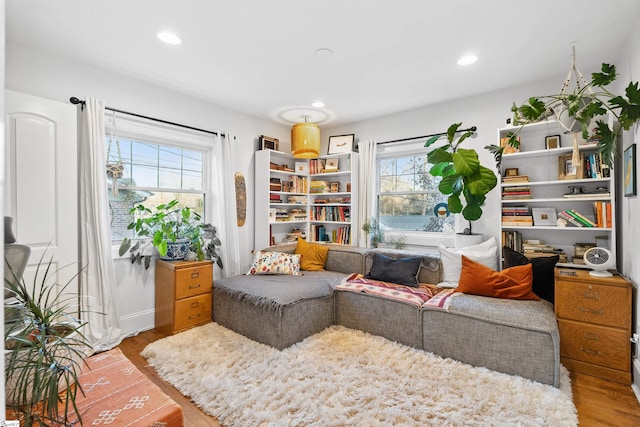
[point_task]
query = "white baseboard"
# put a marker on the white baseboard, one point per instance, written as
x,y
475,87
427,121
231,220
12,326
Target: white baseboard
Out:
x,y
133,323
635,386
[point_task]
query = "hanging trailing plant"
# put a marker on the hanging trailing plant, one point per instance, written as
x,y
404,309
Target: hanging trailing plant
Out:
x,y
586,102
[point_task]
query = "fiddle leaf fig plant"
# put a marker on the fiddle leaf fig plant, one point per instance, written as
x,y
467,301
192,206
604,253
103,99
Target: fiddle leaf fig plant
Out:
x,y
464,179
584,104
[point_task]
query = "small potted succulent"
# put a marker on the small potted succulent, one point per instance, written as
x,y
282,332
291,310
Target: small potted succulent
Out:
x,y
172,230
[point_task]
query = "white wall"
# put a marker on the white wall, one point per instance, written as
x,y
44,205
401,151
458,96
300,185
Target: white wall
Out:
x,y
629,207
41,74
2,184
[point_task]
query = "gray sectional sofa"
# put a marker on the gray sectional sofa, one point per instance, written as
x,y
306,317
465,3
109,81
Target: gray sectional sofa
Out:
x,y
514,337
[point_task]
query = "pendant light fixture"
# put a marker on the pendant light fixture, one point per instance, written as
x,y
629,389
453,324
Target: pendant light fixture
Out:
x,y
305,140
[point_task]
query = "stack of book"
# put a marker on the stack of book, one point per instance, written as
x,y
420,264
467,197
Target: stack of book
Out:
x,y
516,192
576,218
579,250
515,216
318,187
513,179
537,249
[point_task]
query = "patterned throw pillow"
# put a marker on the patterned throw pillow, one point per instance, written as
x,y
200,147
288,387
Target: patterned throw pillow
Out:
x,y
275,263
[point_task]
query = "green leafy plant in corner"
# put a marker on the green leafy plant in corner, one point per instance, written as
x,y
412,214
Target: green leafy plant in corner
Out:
x,y
584,103
464,180
44,349
168,223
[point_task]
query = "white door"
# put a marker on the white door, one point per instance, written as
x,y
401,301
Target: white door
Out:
x,y
42,183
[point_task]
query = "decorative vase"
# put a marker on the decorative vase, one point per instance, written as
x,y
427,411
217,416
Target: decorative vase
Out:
x,y
176,250
463,240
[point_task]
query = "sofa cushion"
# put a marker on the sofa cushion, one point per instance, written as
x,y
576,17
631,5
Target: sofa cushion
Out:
x,y
313,256
403,271
485,253
275,263
511,283
543,271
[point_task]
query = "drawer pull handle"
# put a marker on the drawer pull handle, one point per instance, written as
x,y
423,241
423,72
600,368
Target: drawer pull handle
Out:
x,y
590,336
588,310
590,295
195,286
593,352
195,274
194,316
194,304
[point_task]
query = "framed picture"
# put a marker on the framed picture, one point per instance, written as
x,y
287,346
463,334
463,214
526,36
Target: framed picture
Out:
x,y
551,142
568,170
511,172
302,168
335,187
629,171
331,165
544,216
340,144
269,143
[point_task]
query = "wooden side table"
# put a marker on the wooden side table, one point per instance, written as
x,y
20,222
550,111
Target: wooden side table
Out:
x,y
594,319
183,294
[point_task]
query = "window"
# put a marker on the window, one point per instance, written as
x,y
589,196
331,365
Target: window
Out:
x,y
153,173
408,195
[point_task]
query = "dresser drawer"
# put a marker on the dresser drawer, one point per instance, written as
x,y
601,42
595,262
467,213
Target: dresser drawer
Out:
x,y
598,304
599,345
193,281
192,311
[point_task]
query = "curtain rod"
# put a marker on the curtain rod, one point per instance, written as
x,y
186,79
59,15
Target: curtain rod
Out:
x,y
76,101
471,129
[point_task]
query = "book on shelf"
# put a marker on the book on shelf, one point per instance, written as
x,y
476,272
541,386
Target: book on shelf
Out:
x,y
586,195
515,179
570,219
581,218
602,214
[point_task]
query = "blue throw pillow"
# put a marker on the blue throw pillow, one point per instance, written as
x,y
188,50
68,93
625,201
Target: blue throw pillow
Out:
x,y
403,271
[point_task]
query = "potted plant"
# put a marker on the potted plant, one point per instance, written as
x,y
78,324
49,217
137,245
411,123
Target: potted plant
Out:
x,y
582,105
44,350
372,228
462,174
172,230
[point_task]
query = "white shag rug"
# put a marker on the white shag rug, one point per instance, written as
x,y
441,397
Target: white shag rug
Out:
x,y
344,377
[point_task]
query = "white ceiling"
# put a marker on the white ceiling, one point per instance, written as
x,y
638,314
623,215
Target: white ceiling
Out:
x,y
257,56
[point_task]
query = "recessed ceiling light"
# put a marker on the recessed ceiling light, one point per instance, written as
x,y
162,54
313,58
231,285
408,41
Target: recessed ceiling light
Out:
x,y
318,104
169,38
323,53
467,60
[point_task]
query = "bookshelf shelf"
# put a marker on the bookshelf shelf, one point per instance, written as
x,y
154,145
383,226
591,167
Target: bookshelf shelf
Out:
x,y
539,174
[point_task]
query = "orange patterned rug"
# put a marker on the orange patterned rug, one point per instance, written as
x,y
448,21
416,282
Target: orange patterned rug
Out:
x,y
118,394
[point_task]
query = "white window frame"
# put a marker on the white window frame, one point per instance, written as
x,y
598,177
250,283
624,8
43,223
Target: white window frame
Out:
x,y
413,239
143,130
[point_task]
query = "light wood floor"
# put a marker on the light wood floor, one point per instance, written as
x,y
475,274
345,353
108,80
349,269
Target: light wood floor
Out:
x,y
599,402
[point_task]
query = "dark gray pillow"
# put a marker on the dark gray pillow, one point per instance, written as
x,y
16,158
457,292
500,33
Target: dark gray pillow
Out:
x,y
403,271
8,231
543,271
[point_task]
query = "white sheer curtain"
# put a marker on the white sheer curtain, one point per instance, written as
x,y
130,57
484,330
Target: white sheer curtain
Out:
x,y
366,187
97,279
223,202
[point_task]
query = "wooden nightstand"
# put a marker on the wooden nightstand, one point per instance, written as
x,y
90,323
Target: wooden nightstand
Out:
x,y
183,294
594,319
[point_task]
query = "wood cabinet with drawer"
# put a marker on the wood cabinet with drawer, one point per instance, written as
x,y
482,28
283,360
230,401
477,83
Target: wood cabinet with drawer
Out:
x,y
183,294
594,319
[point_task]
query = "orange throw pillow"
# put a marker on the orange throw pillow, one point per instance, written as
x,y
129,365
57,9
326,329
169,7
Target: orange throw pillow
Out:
x,y
510,283
314,255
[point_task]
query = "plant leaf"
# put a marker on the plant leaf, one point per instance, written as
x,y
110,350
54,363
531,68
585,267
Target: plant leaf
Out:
x,y
466,161
482,182
454,203
431,140
124,246
451,131
607,75
439,155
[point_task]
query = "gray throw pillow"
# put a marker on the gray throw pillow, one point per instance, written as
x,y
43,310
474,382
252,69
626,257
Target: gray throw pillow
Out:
x,y
403,271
